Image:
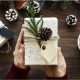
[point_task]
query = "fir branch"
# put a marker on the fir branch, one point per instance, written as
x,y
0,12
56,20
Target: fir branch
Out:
x,y
34,23
60,4
31,10
42,23
31,31
41,20
31,26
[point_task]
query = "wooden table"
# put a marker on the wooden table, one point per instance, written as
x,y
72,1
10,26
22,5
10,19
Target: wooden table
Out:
x,y
68,41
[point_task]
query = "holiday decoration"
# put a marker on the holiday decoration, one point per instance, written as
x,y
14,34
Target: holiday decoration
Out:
x,y
11,15
35,5
41,49
71,20
77,1
60,4
3,40
4,5
33,25
78,41
45,34
40,39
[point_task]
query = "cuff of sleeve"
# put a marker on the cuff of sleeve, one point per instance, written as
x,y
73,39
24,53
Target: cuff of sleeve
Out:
x,y
65,77
18,73
20,70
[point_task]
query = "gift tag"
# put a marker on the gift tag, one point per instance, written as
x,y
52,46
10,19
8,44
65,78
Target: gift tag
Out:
x,y
47,50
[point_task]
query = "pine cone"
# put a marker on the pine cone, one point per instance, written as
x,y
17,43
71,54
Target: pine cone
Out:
x,y
45,34
35,5
71,20
11,15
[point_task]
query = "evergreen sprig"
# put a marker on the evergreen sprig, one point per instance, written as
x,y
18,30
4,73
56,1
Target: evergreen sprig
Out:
x,y
60,4
33,25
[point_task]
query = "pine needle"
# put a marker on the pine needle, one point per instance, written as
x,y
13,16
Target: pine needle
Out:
x,y
41,24
31,31
32,23
31,10
31,26
41,20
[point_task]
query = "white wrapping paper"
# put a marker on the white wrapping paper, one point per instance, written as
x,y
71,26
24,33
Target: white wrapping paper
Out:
x,y
34,55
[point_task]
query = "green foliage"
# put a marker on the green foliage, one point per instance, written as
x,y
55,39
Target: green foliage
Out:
x,y
30,10
33,25
60,4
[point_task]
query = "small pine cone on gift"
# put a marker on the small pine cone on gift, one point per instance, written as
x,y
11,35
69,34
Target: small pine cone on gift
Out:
x,y
45,34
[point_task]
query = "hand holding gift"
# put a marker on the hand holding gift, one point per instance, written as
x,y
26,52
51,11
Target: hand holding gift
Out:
x,y
51,71
19,52
60,69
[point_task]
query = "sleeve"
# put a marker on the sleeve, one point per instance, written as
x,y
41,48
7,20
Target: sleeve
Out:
x,y
17,73
65,77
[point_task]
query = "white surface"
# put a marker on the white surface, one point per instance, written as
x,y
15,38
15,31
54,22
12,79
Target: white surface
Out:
x,y
2,39
78,42
34,55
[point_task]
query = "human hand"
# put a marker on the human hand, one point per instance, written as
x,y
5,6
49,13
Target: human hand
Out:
x,y
19,52
57,70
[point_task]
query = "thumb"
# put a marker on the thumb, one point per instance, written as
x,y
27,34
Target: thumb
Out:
x,y
21,49
59,52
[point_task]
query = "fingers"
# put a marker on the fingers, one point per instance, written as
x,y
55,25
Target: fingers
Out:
x,y
59,52
61,59
19,52
21,49
60,55
19,57
20,39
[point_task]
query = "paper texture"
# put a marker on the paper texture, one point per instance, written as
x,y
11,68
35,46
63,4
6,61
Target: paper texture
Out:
x,y
49,52
34,55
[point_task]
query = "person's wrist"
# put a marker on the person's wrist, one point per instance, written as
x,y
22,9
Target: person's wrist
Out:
x,y
16,68
21,67
56,72
60,72
50,71
18,62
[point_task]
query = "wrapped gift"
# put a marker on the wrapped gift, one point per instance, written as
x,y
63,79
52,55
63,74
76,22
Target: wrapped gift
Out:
x,y
47,53
3,40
